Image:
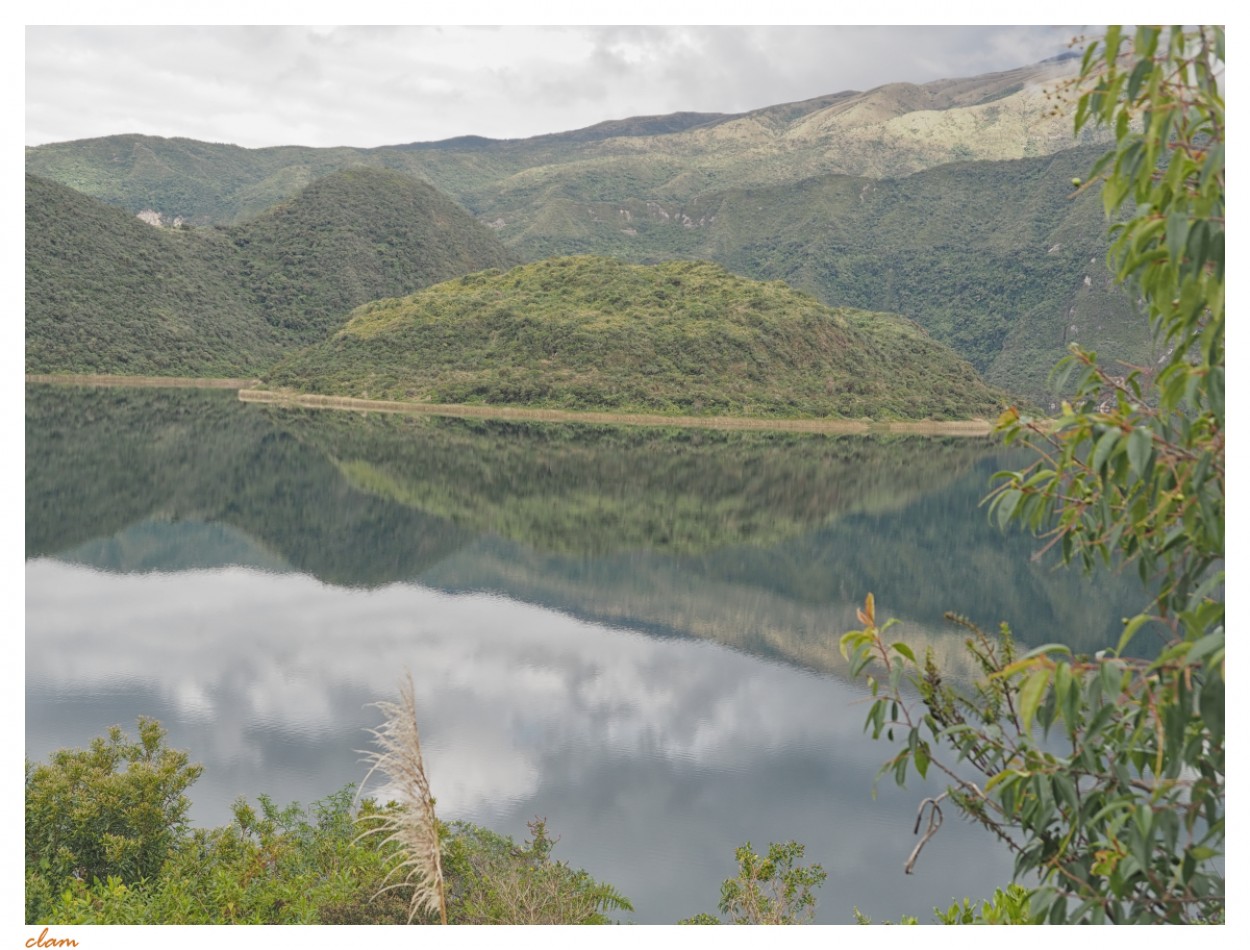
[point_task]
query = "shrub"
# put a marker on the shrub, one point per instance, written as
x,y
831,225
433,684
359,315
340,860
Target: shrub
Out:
x,y
115,809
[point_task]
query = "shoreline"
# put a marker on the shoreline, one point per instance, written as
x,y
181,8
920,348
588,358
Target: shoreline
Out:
x,y
154,382
970,428
963,427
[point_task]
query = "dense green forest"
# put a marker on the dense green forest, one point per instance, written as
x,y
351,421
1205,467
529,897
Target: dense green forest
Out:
x,y
107,293
679,337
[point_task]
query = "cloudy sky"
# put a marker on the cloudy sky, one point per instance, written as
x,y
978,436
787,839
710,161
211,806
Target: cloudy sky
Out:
x,y
367,86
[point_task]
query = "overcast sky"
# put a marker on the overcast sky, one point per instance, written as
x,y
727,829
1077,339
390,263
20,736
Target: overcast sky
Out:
x,y
368,86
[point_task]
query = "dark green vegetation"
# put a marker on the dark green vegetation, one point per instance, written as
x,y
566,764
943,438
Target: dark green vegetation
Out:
x,y
352,237
100,461
1120,818
107,293
679,337
106,844
999,260
938,202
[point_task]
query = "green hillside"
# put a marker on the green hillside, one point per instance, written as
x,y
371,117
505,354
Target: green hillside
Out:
x,y
107,293
948,202
201,182
355,236
678,337
999,260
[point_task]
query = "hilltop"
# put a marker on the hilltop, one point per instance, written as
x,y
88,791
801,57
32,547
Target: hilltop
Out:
x,y
108,293
678,337
355,236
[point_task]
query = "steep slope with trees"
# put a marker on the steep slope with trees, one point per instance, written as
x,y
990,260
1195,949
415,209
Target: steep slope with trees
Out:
x,y
106,293
355,236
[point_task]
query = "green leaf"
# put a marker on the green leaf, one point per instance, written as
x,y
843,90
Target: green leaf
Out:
x,y
1177,234
1208,644
1102,449
1005,505
1140,447
1031,693
903,649
1130,628
921,759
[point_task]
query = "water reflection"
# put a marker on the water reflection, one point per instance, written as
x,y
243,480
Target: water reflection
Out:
x,y
653,758
630,632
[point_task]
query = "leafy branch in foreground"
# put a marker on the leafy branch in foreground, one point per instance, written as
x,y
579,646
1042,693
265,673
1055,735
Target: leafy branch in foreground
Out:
x,y
1134,466
412,826
1120,815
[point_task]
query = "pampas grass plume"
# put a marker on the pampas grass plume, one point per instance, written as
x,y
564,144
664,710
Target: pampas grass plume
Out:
x,y
412,826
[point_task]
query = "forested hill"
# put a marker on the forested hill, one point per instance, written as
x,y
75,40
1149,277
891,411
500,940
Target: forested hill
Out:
x,y
108,293
591,333
355,236
1002,261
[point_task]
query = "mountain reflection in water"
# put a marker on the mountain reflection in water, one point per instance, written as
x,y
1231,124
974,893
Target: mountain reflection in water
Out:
x,y
631,632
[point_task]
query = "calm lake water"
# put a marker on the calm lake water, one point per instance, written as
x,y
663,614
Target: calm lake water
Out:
x,y
630,632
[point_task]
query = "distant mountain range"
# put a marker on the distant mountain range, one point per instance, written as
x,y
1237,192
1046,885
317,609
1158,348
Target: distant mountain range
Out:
x,y
949,203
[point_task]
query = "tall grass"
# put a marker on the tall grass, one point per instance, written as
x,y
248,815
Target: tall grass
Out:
x,y
411,825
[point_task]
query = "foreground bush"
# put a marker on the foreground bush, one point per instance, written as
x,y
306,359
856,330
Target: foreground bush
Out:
x,y
107,843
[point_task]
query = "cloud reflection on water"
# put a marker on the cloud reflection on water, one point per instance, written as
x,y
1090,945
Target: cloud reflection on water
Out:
x,y
644,753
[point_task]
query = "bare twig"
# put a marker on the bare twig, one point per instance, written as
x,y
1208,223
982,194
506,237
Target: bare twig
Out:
x,y
935,822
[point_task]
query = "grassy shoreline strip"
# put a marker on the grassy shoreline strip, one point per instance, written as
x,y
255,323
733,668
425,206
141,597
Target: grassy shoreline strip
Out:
x,y
171,382
970,427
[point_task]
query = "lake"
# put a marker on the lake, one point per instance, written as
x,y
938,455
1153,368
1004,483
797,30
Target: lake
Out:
x,y
631,632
